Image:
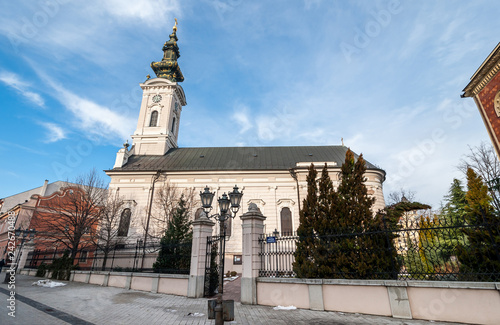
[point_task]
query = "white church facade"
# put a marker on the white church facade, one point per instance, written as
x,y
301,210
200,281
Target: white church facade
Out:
x,y
274,178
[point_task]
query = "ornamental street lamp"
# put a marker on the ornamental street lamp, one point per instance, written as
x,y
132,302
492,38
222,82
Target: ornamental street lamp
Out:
x,y
25,233
225,204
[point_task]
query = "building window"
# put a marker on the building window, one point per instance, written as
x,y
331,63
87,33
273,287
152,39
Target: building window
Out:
x,y
124,223
228,225
237,260
286,222
173,125
83,256
154,118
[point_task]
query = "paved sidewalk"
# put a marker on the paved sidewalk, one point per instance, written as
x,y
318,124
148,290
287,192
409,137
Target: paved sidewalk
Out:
x,y
86,304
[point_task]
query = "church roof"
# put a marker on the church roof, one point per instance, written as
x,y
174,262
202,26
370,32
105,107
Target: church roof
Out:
x,y
237,158
483,74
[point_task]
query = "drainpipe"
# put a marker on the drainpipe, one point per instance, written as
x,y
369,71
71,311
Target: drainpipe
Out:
x,y
293,173
155,178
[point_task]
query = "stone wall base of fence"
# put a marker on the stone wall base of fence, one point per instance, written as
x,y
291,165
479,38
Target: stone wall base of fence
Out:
x,y
464,302
173,284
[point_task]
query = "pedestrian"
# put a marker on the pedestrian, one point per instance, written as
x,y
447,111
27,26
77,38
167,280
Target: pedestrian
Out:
x,y
2,263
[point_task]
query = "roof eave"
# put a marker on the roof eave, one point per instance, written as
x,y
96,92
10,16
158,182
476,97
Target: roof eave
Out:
x,y
486,71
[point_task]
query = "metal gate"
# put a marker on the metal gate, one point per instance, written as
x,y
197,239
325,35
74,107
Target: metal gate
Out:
x,y
212,267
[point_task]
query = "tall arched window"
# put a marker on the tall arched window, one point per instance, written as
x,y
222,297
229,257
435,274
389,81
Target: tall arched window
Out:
x,y
228,225
154,118
173,125
124,223
286,222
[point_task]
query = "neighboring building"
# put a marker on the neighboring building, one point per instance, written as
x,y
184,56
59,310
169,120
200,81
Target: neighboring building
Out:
x,y
46,189
45,215
62,218
18,216
484,87
274,178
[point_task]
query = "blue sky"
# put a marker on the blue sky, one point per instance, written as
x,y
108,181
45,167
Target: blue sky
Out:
x,y
386,76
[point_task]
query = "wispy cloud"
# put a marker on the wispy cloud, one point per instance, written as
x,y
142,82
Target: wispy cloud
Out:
x,y
147,11
14,81
55,133
241,117
90,117
24,148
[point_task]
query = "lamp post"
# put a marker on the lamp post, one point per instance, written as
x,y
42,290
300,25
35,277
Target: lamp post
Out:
x,y
23,233
225,204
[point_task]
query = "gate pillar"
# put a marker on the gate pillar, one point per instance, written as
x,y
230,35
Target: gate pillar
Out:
x,y
202,228
252,223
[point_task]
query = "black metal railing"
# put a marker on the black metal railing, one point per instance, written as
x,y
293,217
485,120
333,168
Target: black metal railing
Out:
x,y
414,248
277,255
121,258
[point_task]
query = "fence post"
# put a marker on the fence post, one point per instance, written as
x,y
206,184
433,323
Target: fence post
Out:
x,y
202,228
252,223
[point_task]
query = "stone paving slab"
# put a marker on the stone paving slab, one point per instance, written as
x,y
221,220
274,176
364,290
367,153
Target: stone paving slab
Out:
x,y
107,305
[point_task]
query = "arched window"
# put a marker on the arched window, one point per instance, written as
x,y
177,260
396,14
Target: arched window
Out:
x,y
173,125
228,225
286,222
154,118
124,223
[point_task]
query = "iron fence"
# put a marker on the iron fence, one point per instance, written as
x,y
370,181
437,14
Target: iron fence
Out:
x,y
122,258
413,248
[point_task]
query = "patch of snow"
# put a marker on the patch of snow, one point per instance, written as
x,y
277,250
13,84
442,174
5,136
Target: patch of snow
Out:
x,y
285,308
196,314
231,278
48,284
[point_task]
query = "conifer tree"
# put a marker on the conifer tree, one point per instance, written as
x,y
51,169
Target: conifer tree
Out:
x,y
355,219
305,265
175,251
452,218
326,222
480,259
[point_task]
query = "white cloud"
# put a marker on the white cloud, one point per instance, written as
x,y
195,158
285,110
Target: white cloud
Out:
x,y
14,81
240,116
56,132
151,12
91,117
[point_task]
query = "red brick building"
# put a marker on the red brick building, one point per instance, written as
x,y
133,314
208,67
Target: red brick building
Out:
x,y
484,87
64,220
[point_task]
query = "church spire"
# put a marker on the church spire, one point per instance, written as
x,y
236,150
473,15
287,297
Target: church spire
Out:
x,y
168,68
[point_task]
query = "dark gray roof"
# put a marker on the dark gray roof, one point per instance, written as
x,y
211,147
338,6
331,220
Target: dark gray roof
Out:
x,y
237,158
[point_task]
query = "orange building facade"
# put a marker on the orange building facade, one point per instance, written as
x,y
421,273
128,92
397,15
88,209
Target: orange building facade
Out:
x,y
58,221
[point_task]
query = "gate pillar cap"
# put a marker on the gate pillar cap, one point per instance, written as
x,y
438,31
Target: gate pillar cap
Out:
x,y
203,221
253,213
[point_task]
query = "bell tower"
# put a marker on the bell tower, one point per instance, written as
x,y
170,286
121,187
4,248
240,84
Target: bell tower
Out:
x,y
162,101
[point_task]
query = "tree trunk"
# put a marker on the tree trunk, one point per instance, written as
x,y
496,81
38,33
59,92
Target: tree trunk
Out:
x,y
105,259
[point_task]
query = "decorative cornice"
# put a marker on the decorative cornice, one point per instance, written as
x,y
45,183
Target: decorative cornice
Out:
x,y
484,74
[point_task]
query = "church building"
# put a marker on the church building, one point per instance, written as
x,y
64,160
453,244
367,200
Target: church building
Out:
x,y
274,178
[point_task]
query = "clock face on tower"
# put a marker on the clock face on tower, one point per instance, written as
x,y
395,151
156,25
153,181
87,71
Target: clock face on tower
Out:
x,y
156,98
176,107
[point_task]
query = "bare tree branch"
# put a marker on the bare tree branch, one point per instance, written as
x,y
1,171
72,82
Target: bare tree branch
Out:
x,y
70,216
164,204
483,160
397,196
